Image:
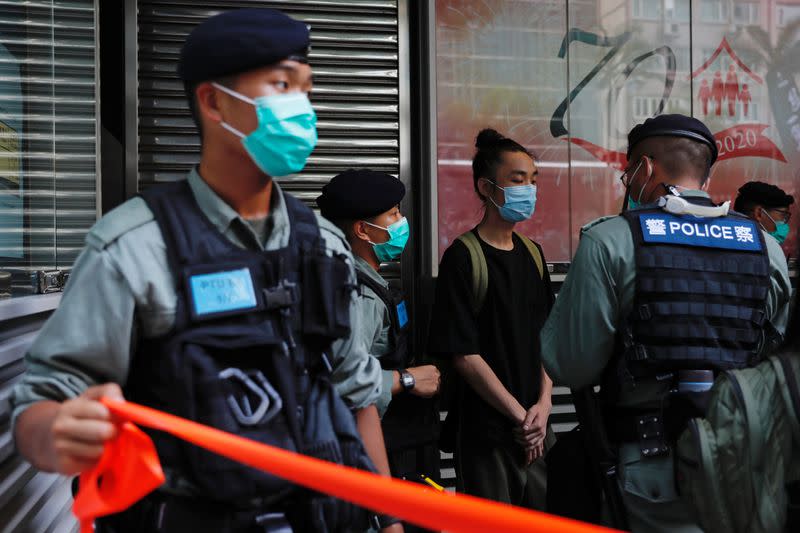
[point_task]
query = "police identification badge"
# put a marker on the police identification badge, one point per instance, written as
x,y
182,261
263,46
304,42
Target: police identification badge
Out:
x,y
402,314
221,292
731,234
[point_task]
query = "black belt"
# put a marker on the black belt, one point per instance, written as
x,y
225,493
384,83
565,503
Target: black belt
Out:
x,y
166,512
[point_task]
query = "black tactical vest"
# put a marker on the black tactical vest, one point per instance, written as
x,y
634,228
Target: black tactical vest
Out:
x,y
701,290
410,420
247,355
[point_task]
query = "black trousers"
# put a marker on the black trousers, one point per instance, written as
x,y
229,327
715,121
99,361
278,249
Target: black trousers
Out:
x,y
409,463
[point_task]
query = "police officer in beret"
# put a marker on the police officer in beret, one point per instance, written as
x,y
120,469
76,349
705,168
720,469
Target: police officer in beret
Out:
x,y
218,298
647,307
364,204
768,205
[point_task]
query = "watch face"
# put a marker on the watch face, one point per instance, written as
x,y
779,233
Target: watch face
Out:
x,y
408,380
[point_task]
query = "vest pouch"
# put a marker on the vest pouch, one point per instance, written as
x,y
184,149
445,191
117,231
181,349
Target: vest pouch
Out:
x,y
326,295
234,385
330,434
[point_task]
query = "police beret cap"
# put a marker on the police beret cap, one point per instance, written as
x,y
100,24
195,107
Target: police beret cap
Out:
x,y
240,40
356,194
765,194
673,126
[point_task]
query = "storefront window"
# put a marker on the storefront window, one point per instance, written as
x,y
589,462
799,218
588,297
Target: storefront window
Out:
x,y
599,68
48,171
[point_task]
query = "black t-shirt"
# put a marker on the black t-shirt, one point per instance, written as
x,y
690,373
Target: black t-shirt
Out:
x,y
505,332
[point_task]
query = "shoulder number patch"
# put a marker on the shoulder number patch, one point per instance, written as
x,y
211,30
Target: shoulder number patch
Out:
x,y
707,232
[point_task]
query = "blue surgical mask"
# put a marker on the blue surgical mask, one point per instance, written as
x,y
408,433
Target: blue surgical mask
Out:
x,y
781,229
520,202
398,237
286,133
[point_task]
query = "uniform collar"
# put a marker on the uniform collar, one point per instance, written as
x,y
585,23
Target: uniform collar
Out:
x,y
367,269
693,193
222,215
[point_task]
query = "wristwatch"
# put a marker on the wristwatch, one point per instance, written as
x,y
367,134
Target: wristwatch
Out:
x,y
407,380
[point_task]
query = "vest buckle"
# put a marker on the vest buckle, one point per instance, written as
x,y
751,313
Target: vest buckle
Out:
x,y
650,430
256,383
281,296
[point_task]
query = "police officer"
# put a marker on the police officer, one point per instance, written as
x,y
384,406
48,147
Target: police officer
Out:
x,y
673,287
364,204
219,298
768,205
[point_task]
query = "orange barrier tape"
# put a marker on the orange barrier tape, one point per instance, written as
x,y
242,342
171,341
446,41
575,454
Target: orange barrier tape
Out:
x,y
409,501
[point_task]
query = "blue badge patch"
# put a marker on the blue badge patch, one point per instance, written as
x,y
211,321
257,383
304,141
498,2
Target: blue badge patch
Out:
x,y
402,314
708,232
220,292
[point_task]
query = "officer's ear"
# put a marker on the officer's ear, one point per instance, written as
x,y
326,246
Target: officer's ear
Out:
x,y
359,230
207,102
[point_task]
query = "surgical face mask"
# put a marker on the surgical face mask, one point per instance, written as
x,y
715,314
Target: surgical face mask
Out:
x,y
520,202
286,133
781,229
398,237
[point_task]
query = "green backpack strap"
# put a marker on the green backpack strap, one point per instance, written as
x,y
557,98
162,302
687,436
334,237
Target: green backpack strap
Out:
x,y
535,253
480,272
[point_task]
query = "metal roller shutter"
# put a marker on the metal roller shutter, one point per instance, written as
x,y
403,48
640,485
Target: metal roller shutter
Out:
x,y
354,53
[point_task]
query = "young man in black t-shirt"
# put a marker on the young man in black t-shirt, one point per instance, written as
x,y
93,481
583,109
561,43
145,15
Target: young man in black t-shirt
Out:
x,y
493,338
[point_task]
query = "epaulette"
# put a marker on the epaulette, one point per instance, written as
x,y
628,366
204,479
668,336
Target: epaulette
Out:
x,y
597,222
119,221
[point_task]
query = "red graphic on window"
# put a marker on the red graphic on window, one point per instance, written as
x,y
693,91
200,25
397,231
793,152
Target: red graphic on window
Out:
x,y
747,140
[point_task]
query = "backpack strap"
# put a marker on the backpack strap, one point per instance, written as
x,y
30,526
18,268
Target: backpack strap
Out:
x,y
534,251
790,390
480,271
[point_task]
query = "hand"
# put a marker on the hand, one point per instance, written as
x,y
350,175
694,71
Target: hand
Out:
x,y
81,427
533,429
534,453
427,380
397,527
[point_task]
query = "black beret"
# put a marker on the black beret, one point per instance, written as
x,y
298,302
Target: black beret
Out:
x,y
357,194
240,40
764,194
673,126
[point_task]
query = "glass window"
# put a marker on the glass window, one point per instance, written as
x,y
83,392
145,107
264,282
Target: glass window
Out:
x,y
647,9
619,67
714,10
787,14
678,10
48,139
745,13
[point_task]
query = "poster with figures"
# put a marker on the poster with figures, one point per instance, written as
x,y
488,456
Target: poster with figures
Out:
x,y
569,79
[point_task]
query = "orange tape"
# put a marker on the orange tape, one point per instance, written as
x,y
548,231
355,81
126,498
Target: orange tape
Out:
x,y
419,505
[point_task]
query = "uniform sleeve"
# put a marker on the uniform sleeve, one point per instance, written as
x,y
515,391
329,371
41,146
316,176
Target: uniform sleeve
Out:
x,y
780,291
356,374
454,325
578,337
86,341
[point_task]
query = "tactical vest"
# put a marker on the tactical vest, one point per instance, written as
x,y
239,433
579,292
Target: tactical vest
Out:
x,y
701,290
409,420
398,314
247,355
